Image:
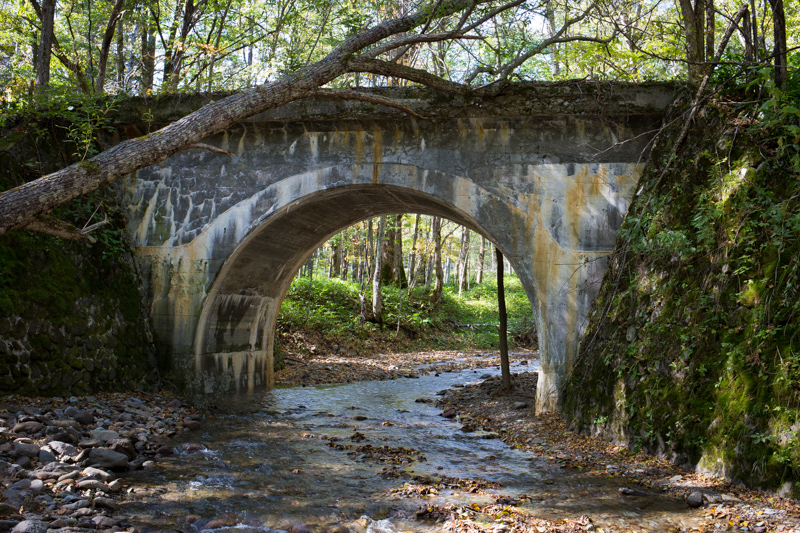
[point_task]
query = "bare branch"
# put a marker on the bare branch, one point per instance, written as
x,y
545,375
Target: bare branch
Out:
x,y
204,146
384,68
351,94
64,230
415,39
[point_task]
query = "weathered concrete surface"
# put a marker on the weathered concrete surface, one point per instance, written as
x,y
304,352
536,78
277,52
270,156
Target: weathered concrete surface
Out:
x,y
541,171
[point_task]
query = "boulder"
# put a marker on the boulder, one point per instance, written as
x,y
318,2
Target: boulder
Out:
x,y
104,435
91,484
122,446
84,417
24,449
30,526
62,448
28,428
695,499
96,473
105,458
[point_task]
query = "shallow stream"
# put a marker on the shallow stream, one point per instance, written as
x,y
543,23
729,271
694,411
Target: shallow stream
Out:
x,y
272,462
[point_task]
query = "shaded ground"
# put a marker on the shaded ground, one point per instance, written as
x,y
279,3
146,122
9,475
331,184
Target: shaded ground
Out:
x,y
316,369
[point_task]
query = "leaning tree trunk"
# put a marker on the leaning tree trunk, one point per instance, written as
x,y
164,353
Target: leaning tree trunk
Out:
x,y
28,203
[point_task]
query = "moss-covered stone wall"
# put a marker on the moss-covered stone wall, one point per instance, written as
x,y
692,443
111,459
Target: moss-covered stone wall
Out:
x,y
693,350
72,320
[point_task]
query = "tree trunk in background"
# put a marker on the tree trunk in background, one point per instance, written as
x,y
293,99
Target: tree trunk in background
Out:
x,y
698,25
392,256
377,297
505,367
481,260
148,51
463,258
399,279
310,266
105,47
121,55
779,36
44,53
336,259
412,260
436,229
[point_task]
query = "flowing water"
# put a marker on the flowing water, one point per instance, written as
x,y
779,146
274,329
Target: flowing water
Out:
x,y
272,463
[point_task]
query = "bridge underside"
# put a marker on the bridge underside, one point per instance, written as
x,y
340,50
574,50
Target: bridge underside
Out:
x,y
220,238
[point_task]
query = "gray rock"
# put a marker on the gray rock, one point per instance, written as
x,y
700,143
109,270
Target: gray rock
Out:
x,y
90,443
62,448
104,435
91,484
104,522
519,405
29,427
105,503
96,473
70,411
122,446
174,404
24,462
22,484
30,526
46,457
23,449
105,458
7,525
84,417
115,486
695,499
8,469
37,485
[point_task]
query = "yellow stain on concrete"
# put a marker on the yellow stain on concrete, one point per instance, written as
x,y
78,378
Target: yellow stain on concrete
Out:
x,y
377,153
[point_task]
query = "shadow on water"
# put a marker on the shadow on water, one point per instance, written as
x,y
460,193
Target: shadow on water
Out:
x,y
324,456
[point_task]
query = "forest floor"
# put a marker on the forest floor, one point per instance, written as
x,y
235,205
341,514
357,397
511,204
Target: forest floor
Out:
x,y
345,367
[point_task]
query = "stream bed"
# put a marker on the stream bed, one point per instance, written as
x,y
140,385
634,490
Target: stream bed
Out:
x,y
326,459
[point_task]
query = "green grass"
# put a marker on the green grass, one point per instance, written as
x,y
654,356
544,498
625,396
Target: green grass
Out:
x,y
328,311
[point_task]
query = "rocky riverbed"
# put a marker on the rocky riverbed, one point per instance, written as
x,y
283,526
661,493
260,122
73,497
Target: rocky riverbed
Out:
x,y
727,507
66,464
63,461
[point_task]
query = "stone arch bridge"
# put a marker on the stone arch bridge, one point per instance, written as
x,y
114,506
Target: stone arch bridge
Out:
x,y
545,171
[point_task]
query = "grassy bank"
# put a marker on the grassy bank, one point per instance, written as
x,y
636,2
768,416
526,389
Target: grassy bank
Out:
x,y
323,315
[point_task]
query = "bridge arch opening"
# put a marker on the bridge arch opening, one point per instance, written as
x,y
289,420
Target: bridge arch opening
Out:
x,y
236,328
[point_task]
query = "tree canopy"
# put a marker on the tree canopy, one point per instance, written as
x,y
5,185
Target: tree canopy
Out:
x,y
275,51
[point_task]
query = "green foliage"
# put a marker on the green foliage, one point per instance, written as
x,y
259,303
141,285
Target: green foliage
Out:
x,y
331,308
710,284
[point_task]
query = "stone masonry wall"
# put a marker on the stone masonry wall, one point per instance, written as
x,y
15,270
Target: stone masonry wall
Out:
x,y
72,319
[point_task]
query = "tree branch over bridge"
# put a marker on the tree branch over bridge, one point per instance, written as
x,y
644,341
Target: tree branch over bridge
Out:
x,y
24,206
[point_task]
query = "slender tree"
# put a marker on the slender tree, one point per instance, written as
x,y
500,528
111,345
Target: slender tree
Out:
x,y
377,297
505,367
